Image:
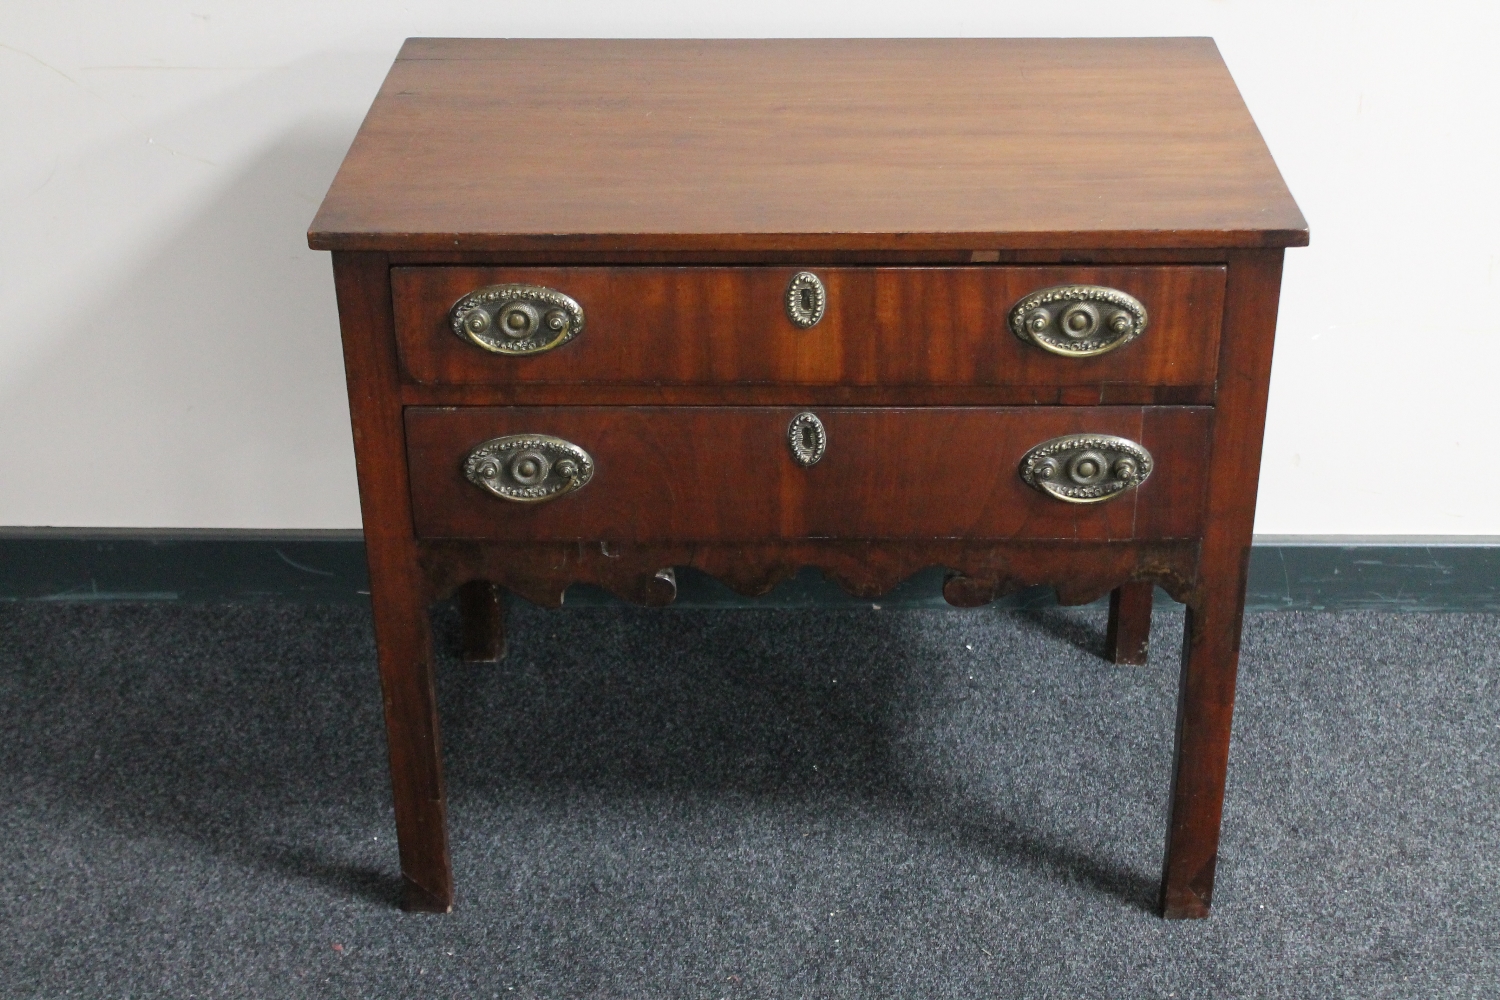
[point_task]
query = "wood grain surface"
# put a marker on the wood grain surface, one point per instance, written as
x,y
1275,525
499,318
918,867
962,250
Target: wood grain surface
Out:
x,y
1128,635
1211,641
980,570
884,327
726,473
798,144
481,611
403,634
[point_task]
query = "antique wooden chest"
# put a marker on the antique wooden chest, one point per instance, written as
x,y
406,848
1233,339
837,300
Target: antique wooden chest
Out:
x,y
1001,306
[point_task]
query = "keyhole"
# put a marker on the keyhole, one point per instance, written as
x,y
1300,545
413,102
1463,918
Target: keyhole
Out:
x,y
809,439
807,300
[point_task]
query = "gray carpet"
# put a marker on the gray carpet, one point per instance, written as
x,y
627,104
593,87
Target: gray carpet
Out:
x,y
705,804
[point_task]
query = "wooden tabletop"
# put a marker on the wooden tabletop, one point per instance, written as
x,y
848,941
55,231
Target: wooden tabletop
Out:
x,y
682,145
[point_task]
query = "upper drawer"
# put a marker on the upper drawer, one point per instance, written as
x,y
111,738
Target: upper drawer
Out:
x,y
880,326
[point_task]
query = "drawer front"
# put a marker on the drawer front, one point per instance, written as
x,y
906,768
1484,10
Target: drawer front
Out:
x,y
729,474
885,326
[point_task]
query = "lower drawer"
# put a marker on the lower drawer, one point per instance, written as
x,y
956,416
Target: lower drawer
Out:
x,y
729,474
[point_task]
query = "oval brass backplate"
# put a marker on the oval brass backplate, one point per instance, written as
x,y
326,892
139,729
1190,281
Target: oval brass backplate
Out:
x,y
1086,468
1078,321
807,439
516,319
529,468
806,299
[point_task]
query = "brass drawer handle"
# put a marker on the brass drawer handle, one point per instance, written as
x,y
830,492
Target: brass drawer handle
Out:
x,y
516,319
529,468
1078,321
806,299
807,438
1086,468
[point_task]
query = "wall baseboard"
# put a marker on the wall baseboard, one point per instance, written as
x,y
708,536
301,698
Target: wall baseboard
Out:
x,y
1297,573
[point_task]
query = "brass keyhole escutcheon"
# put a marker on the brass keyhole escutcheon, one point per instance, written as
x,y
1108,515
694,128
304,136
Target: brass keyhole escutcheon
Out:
x,y
807,438
806,299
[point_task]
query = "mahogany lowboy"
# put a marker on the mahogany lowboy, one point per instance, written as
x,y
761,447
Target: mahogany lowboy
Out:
x,y
610,308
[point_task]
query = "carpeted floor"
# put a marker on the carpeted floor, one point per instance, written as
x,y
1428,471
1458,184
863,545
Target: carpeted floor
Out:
x,y
747,804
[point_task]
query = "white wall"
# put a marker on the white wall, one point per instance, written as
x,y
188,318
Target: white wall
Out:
x,y
169,347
